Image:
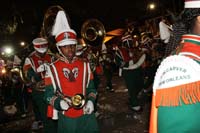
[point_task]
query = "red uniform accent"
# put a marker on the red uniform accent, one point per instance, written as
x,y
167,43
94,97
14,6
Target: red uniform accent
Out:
x,y
37,60
50,111
125,54
99,70
29,90
65,35
71,87
41,45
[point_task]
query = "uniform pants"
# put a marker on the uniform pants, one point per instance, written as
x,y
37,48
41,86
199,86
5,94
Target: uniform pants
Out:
x,y
134,82
83,124
40,111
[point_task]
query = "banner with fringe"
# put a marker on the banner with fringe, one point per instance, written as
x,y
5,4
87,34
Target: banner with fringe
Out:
x,y
177,80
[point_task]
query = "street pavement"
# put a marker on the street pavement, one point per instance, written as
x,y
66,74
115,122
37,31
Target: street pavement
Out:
x,y
113,112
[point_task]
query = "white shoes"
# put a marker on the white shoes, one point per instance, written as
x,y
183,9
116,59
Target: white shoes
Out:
x,y
23,115
137,108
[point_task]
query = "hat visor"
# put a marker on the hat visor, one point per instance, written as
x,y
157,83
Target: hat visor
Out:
x,y
66,42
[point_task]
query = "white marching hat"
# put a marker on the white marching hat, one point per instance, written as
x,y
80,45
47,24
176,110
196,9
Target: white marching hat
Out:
x,y
64,35
192,3
39,41
40,45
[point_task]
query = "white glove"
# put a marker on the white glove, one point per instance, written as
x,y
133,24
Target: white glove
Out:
x,y
89,107
65,104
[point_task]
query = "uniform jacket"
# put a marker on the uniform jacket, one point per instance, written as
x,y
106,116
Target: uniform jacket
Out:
x,y
69,79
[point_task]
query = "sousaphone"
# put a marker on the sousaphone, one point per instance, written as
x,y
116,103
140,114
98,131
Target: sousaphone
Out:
x,y
93,32
48,22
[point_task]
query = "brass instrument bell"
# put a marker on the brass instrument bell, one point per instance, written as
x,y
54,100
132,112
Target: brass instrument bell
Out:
x,y
78,101
20,72
93,32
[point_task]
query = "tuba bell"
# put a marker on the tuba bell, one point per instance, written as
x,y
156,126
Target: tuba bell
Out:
x,y
93,32
48,22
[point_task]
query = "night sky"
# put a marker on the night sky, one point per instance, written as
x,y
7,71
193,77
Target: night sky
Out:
x,y
112,13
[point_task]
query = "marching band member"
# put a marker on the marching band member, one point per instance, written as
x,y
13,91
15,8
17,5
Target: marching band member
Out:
x,y
31,65
176,96
67,77
106,60
130,62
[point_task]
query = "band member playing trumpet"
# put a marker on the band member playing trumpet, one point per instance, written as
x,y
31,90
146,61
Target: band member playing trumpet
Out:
x,y
67,77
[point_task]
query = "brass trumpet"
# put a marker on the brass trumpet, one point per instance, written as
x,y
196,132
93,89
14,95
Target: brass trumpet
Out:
x,y
77,101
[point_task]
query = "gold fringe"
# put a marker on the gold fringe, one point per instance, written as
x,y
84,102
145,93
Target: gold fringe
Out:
x,y
174,96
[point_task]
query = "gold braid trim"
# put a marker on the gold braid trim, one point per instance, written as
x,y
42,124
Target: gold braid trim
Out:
x,y
174,96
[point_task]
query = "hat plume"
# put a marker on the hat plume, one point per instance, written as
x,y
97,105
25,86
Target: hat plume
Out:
x,y
61,23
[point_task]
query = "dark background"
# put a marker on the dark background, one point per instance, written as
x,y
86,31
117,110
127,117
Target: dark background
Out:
x,y
21,20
